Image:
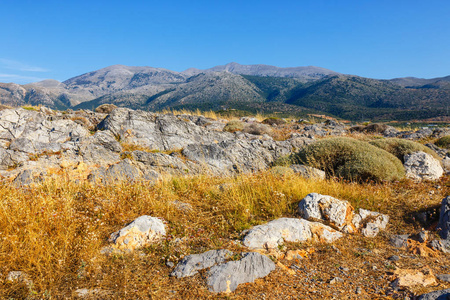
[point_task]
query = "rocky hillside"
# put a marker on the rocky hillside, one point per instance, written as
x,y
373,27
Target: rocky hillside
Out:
x,y
123,203
254,88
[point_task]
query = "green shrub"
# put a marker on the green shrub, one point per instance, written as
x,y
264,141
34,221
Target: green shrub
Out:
x,y
234,126
273,120
351,159
444,142
257,129
401,147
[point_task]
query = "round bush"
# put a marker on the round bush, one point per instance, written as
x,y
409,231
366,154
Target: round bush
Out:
x,y
444,142
234,126
273,120
400,147
351,159
257,129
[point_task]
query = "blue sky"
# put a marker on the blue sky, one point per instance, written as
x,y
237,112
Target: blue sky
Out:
x,y
371,38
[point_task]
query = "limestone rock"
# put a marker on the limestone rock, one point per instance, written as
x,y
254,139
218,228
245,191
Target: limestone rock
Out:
x,y
339,214
336,212
276,232
410,278
441,245
444,219
142,231
436,295
227,277
422,166
399,241
373,222
191,264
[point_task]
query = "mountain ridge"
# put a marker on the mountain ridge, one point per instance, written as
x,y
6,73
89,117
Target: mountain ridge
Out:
x,y
247,87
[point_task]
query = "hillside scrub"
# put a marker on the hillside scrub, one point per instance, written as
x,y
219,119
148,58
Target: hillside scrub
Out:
x,y
234,126
443,142
401,147
351,159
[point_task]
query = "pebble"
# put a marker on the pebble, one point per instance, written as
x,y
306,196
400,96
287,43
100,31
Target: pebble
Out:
x,y
394,258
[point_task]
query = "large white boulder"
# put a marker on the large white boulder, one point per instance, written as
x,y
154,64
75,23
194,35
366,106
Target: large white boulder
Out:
x,y
422,166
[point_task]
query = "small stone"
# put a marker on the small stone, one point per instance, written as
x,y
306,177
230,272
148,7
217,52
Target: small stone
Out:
x,y
359,290
399,241
336,280
142,231
394,258
170,264
444,277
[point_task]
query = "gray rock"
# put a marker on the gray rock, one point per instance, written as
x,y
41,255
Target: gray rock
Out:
x,y
275,233
436,295
419,134
336,280
441,245
24,178
227,277
308,172
399,241
159,132
374,222
191,264
326,208
394,258
422,166
444,219
142,231
443,277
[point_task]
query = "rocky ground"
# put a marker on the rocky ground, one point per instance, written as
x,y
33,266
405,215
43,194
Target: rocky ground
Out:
x,y
324,241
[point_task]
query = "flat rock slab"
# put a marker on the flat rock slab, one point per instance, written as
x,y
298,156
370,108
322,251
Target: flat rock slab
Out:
x,y
227,277
422,166
275,233
436,295
142,231
191,264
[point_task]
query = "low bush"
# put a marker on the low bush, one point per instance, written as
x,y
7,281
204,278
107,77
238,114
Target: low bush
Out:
x,y
257,129
371,128
273,120
351,159
234,126
401,147
443,142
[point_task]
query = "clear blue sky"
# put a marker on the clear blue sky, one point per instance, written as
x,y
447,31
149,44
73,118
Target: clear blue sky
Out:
x,y
371,38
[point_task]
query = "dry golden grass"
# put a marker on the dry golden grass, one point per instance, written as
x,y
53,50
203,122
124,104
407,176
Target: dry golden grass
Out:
x,y
54,231
208,114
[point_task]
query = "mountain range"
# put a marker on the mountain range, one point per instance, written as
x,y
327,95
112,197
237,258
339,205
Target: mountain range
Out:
x,y
252,88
